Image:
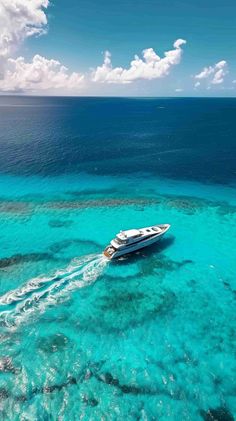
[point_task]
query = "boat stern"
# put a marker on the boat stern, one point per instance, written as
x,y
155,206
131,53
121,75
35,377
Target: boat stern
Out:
x,y
109,251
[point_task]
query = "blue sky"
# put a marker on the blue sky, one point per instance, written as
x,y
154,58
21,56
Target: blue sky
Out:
x,y
79,32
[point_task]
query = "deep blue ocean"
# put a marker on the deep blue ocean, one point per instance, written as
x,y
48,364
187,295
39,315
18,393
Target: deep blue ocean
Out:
x,y
151,336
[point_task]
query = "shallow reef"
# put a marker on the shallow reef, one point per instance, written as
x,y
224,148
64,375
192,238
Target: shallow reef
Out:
x,y
217,414
99,203
60,246
22,258
57,223
14,207
149,336
52,343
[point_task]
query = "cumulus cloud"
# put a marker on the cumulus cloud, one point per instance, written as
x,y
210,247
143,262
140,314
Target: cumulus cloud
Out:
x,y
151,66
19,20
221,71
40,74
213,74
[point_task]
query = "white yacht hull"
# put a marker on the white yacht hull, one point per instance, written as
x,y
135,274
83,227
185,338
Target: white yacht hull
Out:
x,y
137,246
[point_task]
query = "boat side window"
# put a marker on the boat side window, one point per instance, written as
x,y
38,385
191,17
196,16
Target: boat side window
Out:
x,y
119,241
131,239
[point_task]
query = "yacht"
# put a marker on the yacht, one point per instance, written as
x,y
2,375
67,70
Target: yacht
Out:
x,y
134,239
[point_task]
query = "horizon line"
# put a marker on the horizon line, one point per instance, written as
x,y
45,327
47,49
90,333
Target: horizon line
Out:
x,y
114,96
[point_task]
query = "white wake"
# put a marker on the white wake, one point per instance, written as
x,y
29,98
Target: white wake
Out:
x,y
39,293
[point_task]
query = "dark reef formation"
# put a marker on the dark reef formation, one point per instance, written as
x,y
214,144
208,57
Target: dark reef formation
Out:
x,y
52,343
161,264
64,244
228,286
14,207
107,378
121,303
23,258
92,371
217,414
91,192
58,223
95,199
99,203
190,205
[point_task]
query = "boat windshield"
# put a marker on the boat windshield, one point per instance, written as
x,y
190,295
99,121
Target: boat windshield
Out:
x,y
119,241
157,229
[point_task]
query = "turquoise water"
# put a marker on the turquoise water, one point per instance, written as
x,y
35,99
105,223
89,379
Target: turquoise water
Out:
x,y
151,336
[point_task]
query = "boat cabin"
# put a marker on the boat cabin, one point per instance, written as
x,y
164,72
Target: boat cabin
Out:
x,y
126,237
134,235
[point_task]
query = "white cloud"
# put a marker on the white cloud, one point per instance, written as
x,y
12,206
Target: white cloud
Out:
x,y
213,74
151,66
40,74
178,90
207,71
21,19
220,72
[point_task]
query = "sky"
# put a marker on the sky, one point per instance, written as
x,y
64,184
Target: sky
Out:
x,y
125,48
